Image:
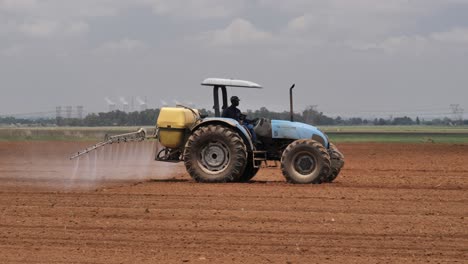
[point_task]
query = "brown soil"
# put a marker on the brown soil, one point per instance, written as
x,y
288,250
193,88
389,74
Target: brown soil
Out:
x,y
393,203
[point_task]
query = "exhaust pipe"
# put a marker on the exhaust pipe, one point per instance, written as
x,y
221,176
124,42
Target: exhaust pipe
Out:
x,y
291,102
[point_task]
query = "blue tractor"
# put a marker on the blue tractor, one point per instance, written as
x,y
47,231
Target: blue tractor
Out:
x,y
217,149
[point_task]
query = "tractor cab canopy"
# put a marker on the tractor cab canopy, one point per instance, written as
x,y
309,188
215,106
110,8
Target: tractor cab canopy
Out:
x,y
219,83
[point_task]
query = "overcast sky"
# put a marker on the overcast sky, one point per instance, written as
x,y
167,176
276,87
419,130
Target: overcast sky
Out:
x,y
349,57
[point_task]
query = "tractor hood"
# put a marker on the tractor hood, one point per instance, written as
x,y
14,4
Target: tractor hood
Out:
x,y
296,130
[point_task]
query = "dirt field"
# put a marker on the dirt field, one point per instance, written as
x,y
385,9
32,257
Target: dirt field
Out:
x,y
392,203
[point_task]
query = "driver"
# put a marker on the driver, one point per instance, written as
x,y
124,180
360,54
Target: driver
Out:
x,y
233,112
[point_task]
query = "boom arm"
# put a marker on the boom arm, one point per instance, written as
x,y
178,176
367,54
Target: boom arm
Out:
x,y
139,135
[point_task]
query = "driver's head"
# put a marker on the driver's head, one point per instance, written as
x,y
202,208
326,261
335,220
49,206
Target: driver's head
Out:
x,y
235,100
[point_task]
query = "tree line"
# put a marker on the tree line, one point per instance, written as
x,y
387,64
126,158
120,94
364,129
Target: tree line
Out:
x,y
148,118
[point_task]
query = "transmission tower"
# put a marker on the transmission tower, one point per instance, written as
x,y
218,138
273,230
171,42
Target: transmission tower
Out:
x,y
68,111
79,112
457,113
58,112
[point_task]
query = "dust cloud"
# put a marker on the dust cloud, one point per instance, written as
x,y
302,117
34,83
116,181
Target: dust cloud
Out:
x,y
47,165
131,161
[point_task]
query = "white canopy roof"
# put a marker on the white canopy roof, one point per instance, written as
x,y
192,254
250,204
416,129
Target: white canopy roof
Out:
x,y
230,83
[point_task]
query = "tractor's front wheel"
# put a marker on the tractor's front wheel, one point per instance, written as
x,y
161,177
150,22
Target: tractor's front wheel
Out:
x,y
215,153
337,162
305,161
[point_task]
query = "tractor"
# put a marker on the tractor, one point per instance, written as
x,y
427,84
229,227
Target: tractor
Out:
x,y
218,149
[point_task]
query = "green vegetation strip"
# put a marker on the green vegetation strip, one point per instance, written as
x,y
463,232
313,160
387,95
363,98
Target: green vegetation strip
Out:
x,y
396,129
404,134
63,133
399,138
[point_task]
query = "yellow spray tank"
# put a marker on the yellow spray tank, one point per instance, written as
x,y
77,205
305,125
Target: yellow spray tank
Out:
x,y
174,124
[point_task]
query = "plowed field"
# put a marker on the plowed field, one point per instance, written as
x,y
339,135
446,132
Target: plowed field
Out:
x,y
393,203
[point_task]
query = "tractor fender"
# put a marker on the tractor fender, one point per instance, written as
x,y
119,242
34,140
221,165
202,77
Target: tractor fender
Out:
x,y
297,130
229,122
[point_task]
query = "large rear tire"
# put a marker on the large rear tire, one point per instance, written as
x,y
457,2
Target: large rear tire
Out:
x,y
249,171
305,161
336,162
215,153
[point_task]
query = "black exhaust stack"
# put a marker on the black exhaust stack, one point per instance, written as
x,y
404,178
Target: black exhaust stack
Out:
x,y
291,102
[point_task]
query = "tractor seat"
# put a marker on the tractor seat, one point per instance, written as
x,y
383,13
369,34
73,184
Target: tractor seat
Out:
x,y
263,127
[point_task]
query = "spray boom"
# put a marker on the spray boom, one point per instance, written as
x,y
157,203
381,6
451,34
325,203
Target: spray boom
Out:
x,y
139,135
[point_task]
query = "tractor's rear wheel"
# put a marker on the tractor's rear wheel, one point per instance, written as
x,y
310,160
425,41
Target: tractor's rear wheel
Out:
x,y
336,162
249,172
305,161
215,153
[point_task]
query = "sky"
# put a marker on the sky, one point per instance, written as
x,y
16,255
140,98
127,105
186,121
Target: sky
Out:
x,y
346,57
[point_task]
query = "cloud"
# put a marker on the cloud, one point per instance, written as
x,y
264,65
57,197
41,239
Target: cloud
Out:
x,y
417,43
59,9
358,20
15,5
47,28
195,8
310,25
359,6
238,32
66,9
7,27
299,24
12,51
319,36
42,28
454,36
123,45
77,28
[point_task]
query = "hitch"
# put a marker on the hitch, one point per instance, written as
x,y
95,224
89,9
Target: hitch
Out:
x,y
139,135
